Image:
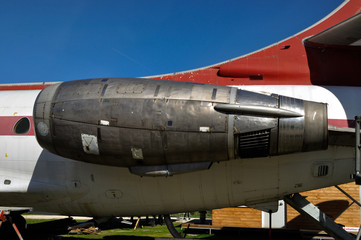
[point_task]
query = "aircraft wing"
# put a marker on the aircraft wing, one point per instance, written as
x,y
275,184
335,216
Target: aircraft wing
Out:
x,y
327,53
346,34
334,55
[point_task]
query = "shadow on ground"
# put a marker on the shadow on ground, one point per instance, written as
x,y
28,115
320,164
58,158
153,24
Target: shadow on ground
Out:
x,y
110,238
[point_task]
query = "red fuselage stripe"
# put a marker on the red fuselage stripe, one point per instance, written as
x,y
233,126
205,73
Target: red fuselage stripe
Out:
x,y
7,124
23,87
342,123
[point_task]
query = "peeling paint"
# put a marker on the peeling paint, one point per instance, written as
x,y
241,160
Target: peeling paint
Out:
x,y
90,144
204,129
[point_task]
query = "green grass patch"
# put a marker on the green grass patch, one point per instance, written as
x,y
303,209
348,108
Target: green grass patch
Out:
x,y
35,221
143,233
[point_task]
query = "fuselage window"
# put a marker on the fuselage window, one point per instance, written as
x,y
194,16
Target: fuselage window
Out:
x,y
22,126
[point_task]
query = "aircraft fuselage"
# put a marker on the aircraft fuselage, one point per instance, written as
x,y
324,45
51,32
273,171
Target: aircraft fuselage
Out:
x,y
33,177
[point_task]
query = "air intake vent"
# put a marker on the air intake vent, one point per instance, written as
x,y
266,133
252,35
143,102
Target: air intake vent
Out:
x,y
322,169
254,144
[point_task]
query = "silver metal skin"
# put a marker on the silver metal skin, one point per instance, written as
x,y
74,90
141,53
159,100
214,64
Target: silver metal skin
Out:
x,y
256,110
140,123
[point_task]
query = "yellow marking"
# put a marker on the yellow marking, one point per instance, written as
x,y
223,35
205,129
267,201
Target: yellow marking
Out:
x,y
6,155
15,113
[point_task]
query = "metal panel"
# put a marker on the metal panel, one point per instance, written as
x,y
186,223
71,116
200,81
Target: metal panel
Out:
x,y
151,122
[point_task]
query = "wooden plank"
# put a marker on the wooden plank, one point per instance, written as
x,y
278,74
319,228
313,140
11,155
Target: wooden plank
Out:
x,y
237,217
330,200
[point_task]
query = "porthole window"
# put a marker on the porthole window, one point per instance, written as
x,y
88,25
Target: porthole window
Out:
x,y
22,126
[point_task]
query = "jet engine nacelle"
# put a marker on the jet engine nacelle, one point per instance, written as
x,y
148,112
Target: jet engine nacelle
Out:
x,y
147,122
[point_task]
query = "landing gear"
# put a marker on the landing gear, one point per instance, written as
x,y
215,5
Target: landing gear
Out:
x,y
171,227
12,225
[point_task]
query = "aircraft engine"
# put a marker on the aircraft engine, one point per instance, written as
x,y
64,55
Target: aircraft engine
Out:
x,y
147,122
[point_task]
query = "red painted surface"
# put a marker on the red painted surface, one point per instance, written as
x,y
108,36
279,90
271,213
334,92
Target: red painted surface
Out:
x,y
342,123
284,63
23,87
7,124
334,65
2,216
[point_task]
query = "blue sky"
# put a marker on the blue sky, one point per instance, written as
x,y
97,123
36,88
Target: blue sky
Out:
x,y
46,41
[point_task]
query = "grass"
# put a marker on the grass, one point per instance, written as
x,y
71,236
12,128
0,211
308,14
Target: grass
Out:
x,y
161,231
129,233
35,221
144,233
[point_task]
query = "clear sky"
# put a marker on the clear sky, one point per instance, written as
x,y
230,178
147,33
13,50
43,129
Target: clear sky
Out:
x,y
48,40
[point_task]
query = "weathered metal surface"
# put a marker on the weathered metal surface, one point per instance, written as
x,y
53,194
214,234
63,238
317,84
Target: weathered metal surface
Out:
x,y
256,110
136,121
169,170
146,122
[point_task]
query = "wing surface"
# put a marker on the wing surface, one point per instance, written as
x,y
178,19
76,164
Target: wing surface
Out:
x,y
330,57
334,55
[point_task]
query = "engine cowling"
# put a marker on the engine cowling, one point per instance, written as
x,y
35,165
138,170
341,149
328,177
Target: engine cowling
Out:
x,y
144,122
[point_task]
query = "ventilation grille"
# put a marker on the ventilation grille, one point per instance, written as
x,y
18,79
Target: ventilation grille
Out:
x,y
254,144
322,169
